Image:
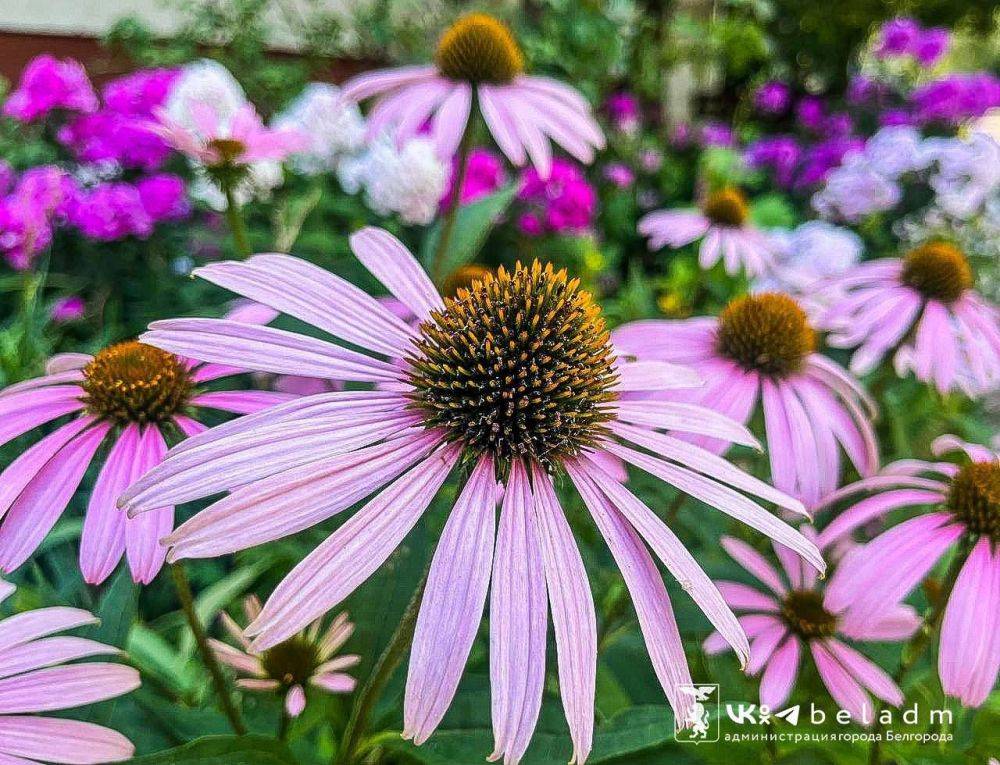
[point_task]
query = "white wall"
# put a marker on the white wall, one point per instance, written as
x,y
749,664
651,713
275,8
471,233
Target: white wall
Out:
x,y
81,17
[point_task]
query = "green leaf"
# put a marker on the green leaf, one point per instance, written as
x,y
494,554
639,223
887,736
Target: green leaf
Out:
x,y
223,750
472,225
117,610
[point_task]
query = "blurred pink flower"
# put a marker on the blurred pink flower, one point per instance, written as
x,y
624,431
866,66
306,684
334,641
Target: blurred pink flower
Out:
x,y
723,227
965,516
921,310
37,678
619,174
484,174
68,308
562,203
397,443
478,56
130,395
761,350
306,659
795,613
47,84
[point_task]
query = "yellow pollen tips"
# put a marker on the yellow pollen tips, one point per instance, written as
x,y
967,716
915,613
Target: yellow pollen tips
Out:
x,y
727,207
804,613
767,333
463,277
938,271
517,365
479,48
133,382
974,498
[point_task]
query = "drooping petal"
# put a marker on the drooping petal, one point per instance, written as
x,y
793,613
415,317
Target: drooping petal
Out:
x,y
866,672
73,685
573,615
518,622
452,606
143,533
392,264
841,684
779,675
62,741
352,553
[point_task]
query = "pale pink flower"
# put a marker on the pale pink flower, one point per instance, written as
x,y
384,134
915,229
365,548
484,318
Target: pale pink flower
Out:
x,y
305,659
130,396
960,511
724,229
215,139
922,311
516,380
760,354
793,615
34,677
479,60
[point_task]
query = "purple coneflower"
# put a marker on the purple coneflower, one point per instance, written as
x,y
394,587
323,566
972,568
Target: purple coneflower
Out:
x,y
132,395
796,613
762,348
921,309
724,230
966,516
514,379
34,677
307,658
478,59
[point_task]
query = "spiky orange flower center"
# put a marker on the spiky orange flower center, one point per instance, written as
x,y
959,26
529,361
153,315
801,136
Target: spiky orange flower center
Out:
x,y
767,333
938,271
518,365
805,615
134,382
479,48
974,498
727,207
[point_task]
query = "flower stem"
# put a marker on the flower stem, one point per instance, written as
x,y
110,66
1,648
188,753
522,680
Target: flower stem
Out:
x,y
914,649
208,658
236,225
284,723
464,149
365,702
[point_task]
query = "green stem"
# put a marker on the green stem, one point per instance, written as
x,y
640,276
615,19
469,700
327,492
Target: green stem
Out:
x,y
205,650
284,723
236,225
464,149
914,649
391,657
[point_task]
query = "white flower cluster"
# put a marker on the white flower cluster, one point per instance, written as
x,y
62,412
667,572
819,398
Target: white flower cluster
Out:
x,y
806,255
964,174
334,127
408,181
209,82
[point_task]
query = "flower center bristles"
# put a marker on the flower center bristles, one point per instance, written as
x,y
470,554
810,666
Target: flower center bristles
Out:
x,y
938,271
132,382
479,48
767,333
727,207
803,612
292,662
974,498
464,277
519,365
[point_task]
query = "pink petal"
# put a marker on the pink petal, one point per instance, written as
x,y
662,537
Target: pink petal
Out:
x,y
391,263
143,550
65,741
452,605
295,701
779,675
843,687
73,685
866,672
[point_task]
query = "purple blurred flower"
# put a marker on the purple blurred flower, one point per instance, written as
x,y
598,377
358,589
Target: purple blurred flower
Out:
x,y
820,158
624,111
863,90
139,94
565,203
717,134
897,37
773,97
778,154
484,175
956,97
68,308
619,174
47,84
110,211
163,197
895,118
7,176
838,124
651,160
47,188
681,135
109,136
932,46
25,232
811,113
